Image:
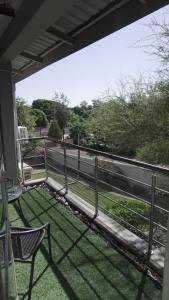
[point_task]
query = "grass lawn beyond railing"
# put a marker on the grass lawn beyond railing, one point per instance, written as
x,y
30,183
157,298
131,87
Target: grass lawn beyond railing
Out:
x,y
125,210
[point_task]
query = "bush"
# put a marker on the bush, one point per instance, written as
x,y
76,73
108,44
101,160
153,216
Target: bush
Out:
x,y
155,152
99,147
129,216
54,131
41,118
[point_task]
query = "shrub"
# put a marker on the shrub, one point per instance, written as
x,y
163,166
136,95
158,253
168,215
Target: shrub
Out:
x,y
54,131
129,216
155,152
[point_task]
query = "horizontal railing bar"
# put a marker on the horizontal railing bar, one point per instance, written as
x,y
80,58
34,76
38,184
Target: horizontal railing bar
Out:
x,y
108,155
148,167
54,160
71,157
159,243
124,192
71,183
31,139
86,163
161,208
54,168
128,208
109,185
54,150
111,212
125,222
112,156
36,165
85,196
159,225
60,171
33,156
161,190
114,201
126,177
108,171
81,172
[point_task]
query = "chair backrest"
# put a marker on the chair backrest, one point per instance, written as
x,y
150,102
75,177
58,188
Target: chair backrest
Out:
x,y
26,241
4,258
2,248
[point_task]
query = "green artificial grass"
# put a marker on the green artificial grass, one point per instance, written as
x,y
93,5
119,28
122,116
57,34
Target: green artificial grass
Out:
x,y
85,267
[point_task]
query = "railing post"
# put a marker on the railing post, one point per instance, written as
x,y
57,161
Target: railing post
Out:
x,y
78,163
22,171
45,155
96,186
65,169
151,226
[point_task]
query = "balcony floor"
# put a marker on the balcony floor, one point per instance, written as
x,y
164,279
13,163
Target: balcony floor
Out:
x,y
85,267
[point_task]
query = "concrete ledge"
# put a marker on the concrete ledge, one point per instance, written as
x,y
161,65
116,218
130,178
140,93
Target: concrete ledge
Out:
x,y
129,240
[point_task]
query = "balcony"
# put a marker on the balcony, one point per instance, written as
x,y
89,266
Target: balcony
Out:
x,y
109,222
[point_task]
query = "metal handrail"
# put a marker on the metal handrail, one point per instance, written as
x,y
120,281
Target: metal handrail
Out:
x,y
114,157
81,172
105,154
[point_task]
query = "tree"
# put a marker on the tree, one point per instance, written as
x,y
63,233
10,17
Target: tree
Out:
x,y
41,119
47,106
78,127
62,113
55,131
24,114
83,110
134,120
157,43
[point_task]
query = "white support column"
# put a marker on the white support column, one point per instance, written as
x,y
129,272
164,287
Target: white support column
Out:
x,y
166,269
8,121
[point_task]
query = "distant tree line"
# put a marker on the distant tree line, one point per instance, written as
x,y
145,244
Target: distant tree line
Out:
x,y
133,122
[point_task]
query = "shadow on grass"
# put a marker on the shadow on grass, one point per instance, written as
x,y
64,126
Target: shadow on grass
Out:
x,y
73,248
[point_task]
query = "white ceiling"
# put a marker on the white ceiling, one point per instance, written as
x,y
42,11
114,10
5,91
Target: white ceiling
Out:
x,y
44,31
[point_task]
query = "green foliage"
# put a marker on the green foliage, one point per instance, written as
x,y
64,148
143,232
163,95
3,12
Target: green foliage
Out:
x,y
77,126
24,114
154,152
41,119
55,131
54,109
83,110
129,216
136,121
47,106
98,146
62,113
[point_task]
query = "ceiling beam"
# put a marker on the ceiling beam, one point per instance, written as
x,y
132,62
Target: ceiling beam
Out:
x,y
15,71
32,57
128,13
32,19
60,35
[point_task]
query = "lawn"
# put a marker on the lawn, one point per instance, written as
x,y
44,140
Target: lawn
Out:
x,y
85,267
119,207
127,211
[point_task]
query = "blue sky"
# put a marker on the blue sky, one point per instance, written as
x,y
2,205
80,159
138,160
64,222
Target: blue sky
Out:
x,y
88,73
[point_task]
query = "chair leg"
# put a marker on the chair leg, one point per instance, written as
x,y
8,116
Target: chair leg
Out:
x,y
31,278
20,207
49,242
